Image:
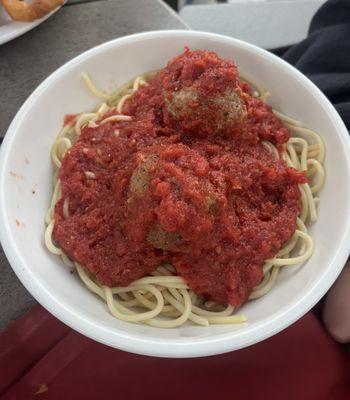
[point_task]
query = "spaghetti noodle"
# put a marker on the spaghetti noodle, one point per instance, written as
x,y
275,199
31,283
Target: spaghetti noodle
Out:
x,y
163,294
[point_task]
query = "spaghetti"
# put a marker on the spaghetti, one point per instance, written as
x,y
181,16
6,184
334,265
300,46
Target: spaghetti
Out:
x,y
163,294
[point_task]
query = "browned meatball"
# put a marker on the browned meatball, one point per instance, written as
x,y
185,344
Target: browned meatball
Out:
x,y
140,178
171,194
160,239
198,113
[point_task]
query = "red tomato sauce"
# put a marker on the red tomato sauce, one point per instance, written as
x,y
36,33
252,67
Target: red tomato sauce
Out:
x,y
188,181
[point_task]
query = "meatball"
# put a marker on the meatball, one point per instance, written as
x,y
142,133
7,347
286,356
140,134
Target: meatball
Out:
x,y
195,112
140,178
163,240
171,197
198,94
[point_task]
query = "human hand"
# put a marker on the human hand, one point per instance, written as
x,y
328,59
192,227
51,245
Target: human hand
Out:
x,y
336,312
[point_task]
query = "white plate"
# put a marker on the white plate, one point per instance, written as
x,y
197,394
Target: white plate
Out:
x,y
25,165
10,29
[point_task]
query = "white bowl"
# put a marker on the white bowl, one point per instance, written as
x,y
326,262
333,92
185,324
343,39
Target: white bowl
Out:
x,y
25,166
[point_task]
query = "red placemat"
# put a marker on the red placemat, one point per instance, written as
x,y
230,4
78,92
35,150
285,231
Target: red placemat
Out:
x,y
41,358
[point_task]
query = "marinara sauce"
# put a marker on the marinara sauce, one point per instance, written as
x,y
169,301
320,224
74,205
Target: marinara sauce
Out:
x,y
189,180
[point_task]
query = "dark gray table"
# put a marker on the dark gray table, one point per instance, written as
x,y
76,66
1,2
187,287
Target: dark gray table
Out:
x,y
27,60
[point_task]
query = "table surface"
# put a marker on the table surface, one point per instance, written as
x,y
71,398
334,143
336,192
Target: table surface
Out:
x,y
29,59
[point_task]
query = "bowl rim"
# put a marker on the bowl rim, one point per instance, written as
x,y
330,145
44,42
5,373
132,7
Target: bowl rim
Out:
x,y
133,342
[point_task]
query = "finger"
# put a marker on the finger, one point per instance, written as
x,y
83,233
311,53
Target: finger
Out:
x,y
336,313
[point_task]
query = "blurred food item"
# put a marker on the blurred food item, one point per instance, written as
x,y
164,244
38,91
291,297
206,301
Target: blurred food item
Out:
x,y
20,10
